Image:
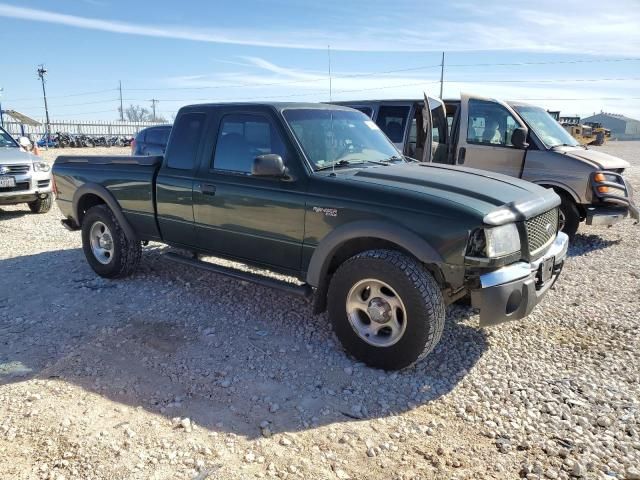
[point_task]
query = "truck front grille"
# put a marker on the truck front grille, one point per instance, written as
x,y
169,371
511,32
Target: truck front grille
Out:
x,y
541,230
16,169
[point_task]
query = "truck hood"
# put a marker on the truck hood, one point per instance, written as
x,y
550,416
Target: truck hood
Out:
x,y
498,198
14,156
600,160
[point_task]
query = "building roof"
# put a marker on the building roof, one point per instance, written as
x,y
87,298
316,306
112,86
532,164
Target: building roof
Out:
x,y
616,116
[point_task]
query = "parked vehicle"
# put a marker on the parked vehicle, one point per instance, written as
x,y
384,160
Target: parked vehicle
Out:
x,y
151,140
319,193
24,178
515,139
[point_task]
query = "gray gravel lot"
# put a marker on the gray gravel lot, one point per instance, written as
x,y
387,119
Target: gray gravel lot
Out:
x,y
179,373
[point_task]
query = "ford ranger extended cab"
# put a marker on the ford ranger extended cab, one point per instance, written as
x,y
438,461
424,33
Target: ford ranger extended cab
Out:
x,y
515,139
319,193
24,178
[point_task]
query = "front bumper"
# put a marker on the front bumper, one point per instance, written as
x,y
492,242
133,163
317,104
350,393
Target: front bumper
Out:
x,y
511,292
607,216
28,187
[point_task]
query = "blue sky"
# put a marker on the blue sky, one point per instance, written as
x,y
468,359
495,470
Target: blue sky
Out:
x,y
571,56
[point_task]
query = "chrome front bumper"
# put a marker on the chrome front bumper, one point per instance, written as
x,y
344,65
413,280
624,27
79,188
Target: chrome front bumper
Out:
x,y
511,292
28,187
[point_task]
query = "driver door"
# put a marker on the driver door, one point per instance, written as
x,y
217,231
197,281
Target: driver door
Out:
x,y
433,136
484,140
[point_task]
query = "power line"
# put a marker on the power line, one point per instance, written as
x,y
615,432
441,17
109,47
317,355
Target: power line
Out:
x,y
552,62
558,80
66,96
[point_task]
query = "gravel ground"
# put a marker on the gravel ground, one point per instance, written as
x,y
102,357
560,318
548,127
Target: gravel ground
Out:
x,y
175,373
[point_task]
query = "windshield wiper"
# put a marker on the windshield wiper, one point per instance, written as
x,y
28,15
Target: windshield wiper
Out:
x,y
338,163
565,145
347,163
394,158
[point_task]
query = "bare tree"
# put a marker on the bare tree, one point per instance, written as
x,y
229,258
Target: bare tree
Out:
x,y
138,113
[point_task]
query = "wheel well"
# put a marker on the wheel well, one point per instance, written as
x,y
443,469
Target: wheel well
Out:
x,y
353,247
565,194
86,202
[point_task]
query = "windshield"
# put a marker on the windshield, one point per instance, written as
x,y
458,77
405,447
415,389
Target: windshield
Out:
x,y
339,137
6,140
546,128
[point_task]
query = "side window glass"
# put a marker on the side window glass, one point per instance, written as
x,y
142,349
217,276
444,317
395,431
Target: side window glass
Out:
x,y
368,111
154,136
184,147
490,123
241,139
392,121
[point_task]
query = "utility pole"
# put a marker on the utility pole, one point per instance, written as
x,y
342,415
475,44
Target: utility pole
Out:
x,y
329,55
442,75
1,113
41,73
121,107
153,107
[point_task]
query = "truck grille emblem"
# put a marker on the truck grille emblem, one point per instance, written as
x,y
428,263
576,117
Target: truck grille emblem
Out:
x,y
4,170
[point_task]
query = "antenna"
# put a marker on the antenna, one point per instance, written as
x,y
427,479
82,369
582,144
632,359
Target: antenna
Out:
x,y
329,56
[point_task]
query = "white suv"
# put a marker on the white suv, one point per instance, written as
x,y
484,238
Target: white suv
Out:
x,y
24,178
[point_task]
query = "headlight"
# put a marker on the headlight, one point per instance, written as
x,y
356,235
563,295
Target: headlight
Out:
x,y
494,242
41,167
602,177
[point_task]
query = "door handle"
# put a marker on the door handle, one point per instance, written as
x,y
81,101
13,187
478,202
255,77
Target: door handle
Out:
x,y
206,188
461,155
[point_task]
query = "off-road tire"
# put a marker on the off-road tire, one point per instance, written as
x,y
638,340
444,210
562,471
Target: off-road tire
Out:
x,y
41,205
127,252
419,292
571,215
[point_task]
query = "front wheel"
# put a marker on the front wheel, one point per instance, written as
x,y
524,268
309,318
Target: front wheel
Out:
x,y
386,309
41,205
569,217
106,246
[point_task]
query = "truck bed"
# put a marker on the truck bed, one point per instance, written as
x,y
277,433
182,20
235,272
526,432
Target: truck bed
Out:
x,y
130,179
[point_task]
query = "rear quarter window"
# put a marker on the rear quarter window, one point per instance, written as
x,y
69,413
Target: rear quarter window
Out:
x,y
183,149
157,136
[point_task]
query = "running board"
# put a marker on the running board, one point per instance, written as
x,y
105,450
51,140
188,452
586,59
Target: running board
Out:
x,y
303,290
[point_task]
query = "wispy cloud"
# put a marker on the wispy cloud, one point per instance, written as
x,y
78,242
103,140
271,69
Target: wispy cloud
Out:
x,y
559,27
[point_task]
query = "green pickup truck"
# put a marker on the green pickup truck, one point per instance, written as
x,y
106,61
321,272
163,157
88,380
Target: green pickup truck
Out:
x,y
319,193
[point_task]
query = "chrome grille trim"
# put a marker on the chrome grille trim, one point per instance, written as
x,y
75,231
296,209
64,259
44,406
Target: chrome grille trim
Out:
x,y
539,235
20,169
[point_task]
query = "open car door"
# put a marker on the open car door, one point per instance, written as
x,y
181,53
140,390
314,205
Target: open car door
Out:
x,y
434,130
486,136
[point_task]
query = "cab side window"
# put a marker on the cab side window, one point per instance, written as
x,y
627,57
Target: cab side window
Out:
x,y
490,123
183,149
392,120
243,137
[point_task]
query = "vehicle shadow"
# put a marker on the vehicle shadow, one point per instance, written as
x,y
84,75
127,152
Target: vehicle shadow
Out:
x,y
11,214
181,342
583,244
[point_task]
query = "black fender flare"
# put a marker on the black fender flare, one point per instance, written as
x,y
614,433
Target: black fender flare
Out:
x,y
108,198
381,230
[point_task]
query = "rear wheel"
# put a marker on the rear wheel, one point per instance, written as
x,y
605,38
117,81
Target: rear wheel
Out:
x,y
386,309
41,205
569,216
107,248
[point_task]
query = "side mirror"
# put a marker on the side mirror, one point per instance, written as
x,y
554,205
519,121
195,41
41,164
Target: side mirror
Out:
x,y
519,138
269,165
24,142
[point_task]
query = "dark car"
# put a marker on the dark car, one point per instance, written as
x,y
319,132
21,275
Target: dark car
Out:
x,y
319,193
151,140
